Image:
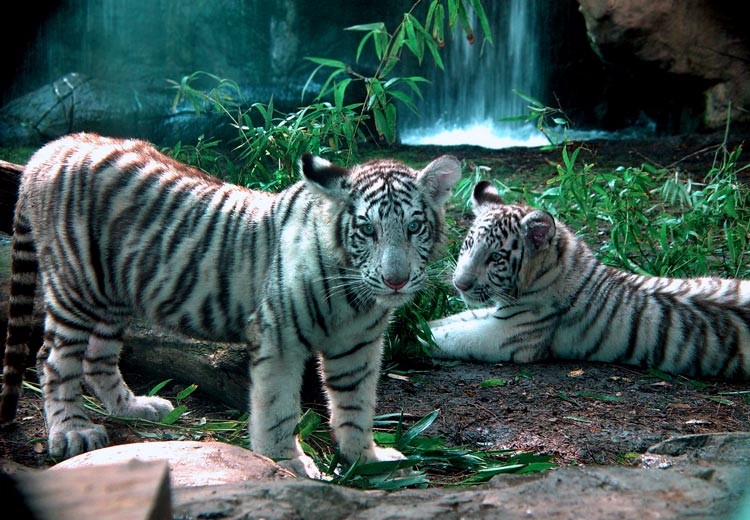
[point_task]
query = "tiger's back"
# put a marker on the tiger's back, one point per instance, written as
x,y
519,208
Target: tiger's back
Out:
x,y
117,223
556,300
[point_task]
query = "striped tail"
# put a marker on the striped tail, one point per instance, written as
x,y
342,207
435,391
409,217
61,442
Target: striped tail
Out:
x,y
24,269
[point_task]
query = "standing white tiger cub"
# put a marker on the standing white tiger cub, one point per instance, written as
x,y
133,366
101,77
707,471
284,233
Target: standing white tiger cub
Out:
x,y
554,299
118,230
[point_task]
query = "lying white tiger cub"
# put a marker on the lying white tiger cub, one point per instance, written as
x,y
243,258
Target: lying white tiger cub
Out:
x,y
554,299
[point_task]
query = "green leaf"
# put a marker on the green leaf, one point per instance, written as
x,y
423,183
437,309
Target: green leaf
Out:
x,y
158,388
308,423
381,43
361,45
416,430
380,124
327,62
174,415
482,17
375,26
384,467
491,383
463,19
438,33
659,374
186,392
452,12
412,42
390,118
339,92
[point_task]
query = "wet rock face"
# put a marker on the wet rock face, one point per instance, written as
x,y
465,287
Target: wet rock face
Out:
x,y
696,51
107,66
76,102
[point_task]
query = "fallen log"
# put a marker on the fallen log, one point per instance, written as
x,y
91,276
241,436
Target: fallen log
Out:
x,y
219,369
10,176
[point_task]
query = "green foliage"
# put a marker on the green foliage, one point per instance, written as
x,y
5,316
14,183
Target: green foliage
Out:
x,y
429,461
207,155
268,142
655,221
551,122
18,155
411,36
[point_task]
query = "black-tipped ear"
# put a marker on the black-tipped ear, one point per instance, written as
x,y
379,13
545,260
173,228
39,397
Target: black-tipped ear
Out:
x,y
325,177
539,229
485,194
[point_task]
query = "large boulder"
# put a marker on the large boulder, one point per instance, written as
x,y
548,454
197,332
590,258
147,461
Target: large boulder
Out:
x,y
76,102
695,52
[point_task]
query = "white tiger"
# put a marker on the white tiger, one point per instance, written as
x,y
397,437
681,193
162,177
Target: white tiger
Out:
x,y
118,230
553,299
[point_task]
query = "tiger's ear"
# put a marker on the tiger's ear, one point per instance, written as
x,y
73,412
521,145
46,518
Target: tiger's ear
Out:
x,y
539,228
438,178
485,194
325,177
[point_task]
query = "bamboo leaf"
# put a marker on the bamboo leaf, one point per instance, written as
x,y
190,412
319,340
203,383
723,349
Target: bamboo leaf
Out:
x,y
186,392
174,415
482,17
361,45
157,388
327,62
374,27
419,427
339,92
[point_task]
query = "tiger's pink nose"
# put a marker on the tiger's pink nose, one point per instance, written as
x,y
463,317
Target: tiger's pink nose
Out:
x,y
395,284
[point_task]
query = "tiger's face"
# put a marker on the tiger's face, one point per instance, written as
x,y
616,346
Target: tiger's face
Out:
x,y
501,241
387,223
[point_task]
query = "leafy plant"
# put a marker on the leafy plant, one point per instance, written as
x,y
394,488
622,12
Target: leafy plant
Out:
x,y
551,122
428,460
268,141
654,221
414,36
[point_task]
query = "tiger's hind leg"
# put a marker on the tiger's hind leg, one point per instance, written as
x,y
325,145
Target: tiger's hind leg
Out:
x,y
103,377
71,353
60,365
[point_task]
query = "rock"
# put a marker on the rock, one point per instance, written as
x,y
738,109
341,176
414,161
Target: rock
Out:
x,y
693,50
191,463
726,448
214,480
709,489
75,102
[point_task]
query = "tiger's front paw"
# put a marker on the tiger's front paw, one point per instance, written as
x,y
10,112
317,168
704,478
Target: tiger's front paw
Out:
x,y
302,466
66,442
386,454
151,408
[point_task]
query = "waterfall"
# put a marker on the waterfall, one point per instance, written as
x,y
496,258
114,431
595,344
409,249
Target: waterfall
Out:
x,y
465,103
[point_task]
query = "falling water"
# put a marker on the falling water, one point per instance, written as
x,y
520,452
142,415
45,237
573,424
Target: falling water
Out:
x,y
466,103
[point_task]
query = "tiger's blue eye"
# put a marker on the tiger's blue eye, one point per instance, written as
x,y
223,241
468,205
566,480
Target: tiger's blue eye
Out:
x,y
414,226
367,229
495,256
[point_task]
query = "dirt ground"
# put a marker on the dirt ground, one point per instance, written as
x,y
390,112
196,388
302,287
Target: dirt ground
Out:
x,y
579,413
